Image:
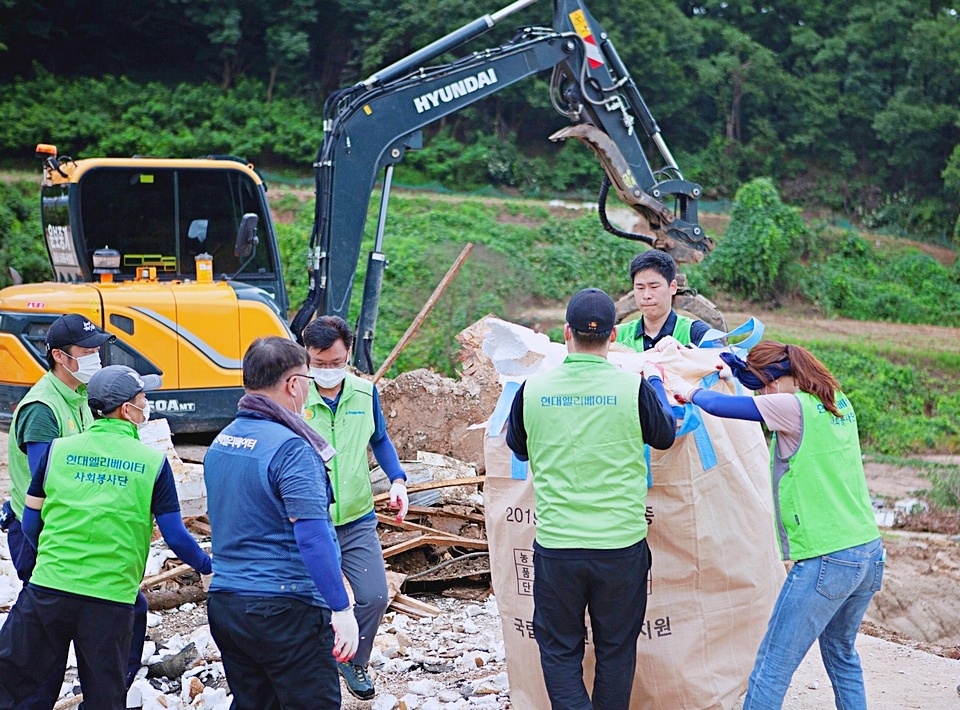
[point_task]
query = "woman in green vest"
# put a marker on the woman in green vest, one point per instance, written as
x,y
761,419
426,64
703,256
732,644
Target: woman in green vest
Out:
x,y
823,514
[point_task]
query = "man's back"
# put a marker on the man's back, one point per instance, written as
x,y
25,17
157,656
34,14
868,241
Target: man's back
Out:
x,y
251,470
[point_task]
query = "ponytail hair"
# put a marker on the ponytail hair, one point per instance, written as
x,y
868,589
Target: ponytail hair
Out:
x,y
811,375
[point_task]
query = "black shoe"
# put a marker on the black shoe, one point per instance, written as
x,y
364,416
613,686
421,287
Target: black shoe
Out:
x,y
358,682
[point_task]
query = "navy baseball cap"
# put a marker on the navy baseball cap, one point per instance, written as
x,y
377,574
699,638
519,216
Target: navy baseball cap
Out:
x,y
74,329
113,385
592,311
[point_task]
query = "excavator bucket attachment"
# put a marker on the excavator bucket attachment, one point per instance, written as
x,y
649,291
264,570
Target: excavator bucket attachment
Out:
x,y
686,243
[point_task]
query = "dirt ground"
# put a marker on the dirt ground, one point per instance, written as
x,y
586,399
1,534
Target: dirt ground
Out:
x,y
912,627
914,621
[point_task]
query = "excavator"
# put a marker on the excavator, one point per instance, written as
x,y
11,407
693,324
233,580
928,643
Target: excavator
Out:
x,y
179,259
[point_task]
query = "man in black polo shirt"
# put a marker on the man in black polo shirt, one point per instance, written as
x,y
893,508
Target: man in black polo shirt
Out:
x,y
654,277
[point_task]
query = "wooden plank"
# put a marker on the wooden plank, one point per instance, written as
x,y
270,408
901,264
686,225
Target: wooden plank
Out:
x,y
453,539
440,540
432,485
428,511
422,606
172,573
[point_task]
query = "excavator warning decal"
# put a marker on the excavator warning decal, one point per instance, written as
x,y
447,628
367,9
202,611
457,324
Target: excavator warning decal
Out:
x,y
582,28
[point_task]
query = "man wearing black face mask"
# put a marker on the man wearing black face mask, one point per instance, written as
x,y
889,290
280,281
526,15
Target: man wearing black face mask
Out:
x,y
345,410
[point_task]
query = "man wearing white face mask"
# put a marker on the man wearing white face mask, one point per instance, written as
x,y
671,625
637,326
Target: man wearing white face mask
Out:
x,y
89,514
54,407
345,410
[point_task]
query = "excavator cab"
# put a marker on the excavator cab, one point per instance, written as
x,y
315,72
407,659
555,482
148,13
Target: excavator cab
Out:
x,y
157,213
177,258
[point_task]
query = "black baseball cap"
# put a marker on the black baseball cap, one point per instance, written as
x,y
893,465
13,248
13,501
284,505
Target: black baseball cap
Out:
x,y
74,329
113,385
592,311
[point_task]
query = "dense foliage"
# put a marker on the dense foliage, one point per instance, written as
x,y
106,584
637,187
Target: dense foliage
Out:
x,y
763,240
21,245
852,106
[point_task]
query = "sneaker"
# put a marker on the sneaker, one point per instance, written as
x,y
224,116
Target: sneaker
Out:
x,y
358,682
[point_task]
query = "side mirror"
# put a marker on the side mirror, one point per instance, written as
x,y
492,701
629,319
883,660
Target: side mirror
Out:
x,y
246,236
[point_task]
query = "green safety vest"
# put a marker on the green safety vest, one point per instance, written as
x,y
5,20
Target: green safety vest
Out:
x,y
820,493
627,332
586,454
96,515
73,416
349,432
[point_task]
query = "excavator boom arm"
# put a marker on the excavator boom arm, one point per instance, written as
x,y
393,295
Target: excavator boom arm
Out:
x,y
370,126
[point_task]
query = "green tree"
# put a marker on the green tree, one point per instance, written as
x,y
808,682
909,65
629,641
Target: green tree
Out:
x,y
763,238
21,245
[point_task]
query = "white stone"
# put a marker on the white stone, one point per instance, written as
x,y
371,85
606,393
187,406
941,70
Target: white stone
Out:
x,y
388,702
149,648
212,698
474,610
449,696
153,620
189,606
426,687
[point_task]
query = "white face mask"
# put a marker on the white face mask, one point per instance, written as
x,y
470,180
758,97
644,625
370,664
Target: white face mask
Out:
x,y
146,412
87,366
328,378
300,409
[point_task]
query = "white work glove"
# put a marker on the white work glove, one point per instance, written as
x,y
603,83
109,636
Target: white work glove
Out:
x,y
398,498
652,369
683,391
667,341
723,369
346,634
205,580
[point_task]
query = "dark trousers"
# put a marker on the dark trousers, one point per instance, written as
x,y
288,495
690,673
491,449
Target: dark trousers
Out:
x,y
614,591
277,652
24,559
36,637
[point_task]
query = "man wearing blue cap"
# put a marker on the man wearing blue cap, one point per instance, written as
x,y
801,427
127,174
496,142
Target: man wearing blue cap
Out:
x,y
89,514
583,427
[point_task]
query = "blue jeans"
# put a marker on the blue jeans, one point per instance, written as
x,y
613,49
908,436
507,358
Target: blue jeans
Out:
x,y
822,598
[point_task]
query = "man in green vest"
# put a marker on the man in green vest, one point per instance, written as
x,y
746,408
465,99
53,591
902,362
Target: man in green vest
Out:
x,y
89,513
583,427
54,407
654,277
345,410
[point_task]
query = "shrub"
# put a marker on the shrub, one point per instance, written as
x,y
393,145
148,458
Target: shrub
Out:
x,y
763,238
21,237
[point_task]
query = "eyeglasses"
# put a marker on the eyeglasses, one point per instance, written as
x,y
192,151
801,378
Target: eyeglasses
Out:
x,y
307,377
329,365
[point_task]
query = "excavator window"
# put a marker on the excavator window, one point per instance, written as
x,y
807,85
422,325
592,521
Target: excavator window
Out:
x,y
166,217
